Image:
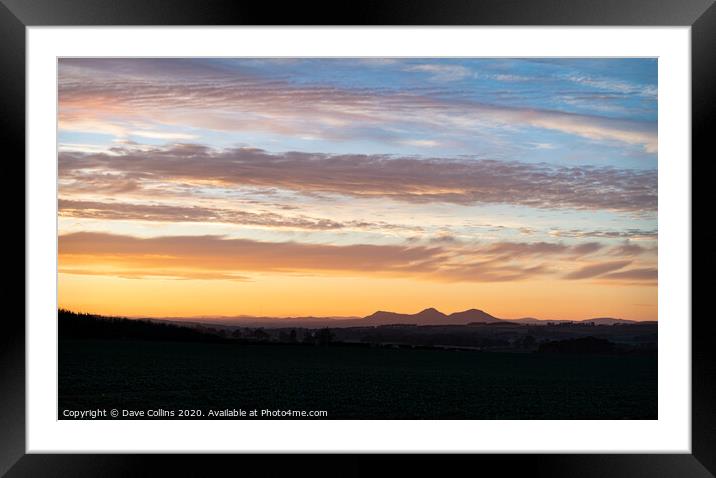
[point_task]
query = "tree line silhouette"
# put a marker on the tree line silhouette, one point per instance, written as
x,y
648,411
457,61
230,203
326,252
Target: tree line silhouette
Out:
x,y
73,325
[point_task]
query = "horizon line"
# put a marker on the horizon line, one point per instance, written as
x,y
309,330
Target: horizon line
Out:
x,y
338,317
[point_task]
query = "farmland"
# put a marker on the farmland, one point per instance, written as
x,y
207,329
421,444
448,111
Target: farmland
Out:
x,y
351,381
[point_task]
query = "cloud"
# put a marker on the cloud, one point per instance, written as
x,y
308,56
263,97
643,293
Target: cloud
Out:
x,y
628,249
204,256
134,272
172,213
587,248
491,271
543,146
540,249
442,238
124,211
617,86
96,95
418,180
515,249
219,257
627,233
594,270
597,128
442,72
644,274
421,143
163,135
510,78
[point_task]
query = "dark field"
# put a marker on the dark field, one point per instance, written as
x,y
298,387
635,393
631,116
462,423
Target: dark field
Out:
x,y
354,382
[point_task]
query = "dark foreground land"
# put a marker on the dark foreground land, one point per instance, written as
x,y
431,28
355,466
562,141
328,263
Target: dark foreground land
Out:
x,y
352,381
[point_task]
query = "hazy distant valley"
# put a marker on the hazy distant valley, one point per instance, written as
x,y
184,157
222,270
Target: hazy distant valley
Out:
x,y
428,316
472,329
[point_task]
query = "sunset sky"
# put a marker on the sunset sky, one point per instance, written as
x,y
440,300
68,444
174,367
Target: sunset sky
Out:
x,y
338,187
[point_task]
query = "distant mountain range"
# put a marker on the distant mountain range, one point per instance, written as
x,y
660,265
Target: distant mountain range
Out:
x,y
430,316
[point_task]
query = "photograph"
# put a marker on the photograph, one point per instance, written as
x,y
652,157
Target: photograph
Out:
x,y
357,238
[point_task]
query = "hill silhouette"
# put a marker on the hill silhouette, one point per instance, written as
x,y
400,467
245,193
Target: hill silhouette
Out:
x,y
204,328
472,316
430,316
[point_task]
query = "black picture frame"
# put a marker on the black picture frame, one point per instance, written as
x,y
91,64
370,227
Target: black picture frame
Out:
x,y
700,15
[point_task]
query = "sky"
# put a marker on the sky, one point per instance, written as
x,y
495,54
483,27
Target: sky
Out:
x,y
338,187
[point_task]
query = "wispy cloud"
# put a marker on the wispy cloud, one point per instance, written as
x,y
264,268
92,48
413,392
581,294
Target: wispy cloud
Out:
x,y
219,257
174,213
613,85
643,274
628,249
171,213
98,96
170,136
187,256
516,249
629,233
419,180
442,72
594,270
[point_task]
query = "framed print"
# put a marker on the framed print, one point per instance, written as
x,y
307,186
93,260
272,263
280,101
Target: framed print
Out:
x,y
426,229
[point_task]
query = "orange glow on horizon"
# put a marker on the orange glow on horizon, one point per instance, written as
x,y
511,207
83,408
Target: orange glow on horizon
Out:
x,y
291,296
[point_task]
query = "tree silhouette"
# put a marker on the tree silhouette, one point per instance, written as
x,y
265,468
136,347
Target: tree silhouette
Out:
x,y
324,336
261,335
582,345
528,341
308,337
